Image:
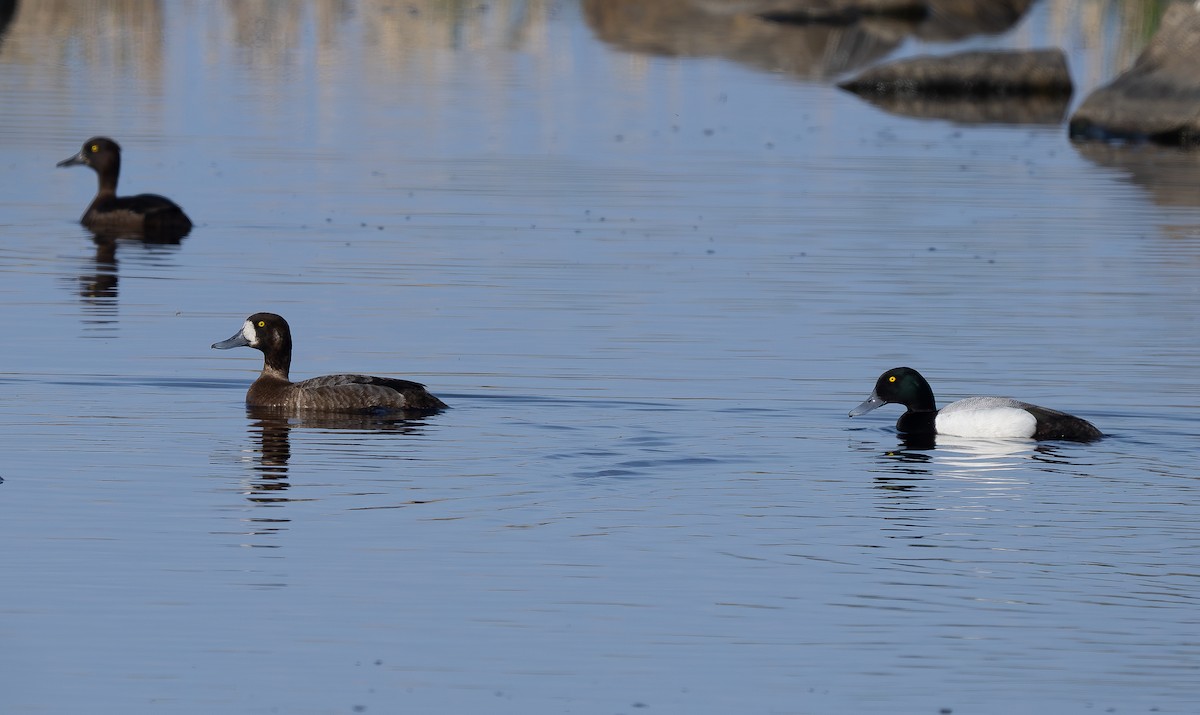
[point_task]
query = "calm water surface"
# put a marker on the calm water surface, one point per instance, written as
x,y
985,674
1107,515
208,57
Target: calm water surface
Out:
x,y
650,287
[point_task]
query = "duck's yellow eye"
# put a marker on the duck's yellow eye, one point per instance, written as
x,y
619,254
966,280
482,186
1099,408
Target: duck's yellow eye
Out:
x,y
95,148
262,323
891,378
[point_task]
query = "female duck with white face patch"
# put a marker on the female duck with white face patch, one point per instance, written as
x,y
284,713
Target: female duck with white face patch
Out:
x,y
974,417
273,389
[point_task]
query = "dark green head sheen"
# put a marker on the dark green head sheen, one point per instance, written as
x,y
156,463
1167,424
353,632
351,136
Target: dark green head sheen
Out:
x,y
900,385
905,386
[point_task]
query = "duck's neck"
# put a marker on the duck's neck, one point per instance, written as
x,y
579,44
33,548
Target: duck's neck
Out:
x,y
917,422
108,180
922,398
277,363
921,413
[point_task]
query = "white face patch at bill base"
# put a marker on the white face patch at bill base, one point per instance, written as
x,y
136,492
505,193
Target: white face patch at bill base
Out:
x,y
986,417
249,334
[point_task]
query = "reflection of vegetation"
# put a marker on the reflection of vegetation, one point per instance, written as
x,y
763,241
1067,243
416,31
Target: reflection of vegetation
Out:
x,y
1143,16
123,33
388,37
420,24
1120,31
269,34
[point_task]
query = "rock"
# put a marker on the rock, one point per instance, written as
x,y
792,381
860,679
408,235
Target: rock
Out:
x,y
1158,99
813,39
932,20
709,28
969,74
843,11
951,20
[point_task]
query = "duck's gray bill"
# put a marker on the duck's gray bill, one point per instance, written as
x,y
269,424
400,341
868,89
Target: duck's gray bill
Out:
x,y
237,341
869,404
77,159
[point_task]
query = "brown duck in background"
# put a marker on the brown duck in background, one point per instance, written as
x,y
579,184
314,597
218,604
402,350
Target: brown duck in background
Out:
x,y
148,215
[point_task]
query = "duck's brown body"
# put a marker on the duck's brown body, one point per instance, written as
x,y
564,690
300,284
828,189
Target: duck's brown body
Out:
x,y
149,215
341,393
274,390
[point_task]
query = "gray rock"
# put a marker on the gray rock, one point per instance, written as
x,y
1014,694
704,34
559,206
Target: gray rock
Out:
x,y
1158,99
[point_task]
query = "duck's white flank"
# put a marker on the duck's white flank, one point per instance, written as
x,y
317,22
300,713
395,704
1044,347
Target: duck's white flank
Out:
x,y
986,417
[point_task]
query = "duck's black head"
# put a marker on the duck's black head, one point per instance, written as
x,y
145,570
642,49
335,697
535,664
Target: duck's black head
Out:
x,y
267,332
901,385
100,153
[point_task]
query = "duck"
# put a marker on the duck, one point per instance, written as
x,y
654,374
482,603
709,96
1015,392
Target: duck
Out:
x,y
356,394
973,417
109,213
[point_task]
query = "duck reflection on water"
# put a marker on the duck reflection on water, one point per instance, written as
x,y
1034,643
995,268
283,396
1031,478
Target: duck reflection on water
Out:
x,y
983,462
271,430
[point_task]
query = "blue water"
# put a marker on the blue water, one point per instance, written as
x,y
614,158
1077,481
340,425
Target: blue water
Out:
x,y
650,288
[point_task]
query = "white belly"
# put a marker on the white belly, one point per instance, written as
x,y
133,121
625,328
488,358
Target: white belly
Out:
x,y
986,418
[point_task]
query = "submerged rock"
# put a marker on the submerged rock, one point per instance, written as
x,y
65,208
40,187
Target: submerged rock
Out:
x,y
969,74
1046,110
1158,99
1167,174
814,39
711,28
